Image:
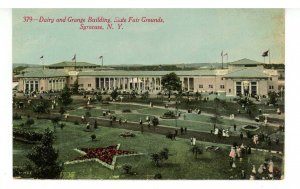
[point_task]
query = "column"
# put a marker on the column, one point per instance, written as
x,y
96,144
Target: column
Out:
x,y
127,83
62,84
188,83
242,86
250,90
123,83
52,85
155,84
160,83
114,87
99,79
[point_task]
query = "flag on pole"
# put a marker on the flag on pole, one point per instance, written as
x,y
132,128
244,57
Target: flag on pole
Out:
x,y
266,53
74,58
100,57
226,54
41,57
222,53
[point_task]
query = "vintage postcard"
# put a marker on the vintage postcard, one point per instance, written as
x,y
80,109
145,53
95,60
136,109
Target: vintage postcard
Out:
x,y
146,94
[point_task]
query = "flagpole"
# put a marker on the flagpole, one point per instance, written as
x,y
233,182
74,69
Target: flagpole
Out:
x,y
102,61
222,59
269,56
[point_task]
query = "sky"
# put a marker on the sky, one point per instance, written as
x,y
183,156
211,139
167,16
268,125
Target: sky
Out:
x,y
185,36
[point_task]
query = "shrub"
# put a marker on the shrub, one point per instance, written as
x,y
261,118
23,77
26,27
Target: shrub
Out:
x,y
126,111
127,168
169,114
28,135
76,123
93,137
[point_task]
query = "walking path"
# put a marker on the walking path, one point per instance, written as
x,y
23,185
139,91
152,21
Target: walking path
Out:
x,y
202,113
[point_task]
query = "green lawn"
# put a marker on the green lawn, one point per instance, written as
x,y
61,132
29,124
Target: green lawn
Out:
x,y
191,121
180,165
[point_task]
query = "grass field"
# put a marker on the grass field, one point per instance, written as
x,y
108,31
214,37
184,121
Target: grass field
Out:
x,y
180,165
191,121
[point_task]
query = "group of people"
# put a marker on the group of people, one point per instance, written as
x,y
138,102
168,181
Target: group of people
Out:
x,y
221,132
265,171
237,153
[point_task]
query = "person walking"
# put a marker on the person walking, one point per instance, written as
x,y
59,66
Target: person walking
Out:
x,y
241,136
185,130
181,130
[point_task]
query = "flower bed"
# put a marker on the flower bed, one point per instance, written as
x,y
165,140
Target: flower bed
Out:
x,y
105,156
127,134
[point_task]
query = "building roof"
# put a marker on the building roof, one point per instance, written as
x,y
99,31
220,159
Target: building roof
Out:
x,y
146,73
38,72
247,73
245,61
72,64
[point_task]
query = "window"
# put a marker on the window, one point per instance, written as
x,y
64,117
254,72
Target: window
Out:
x,y
238,88
270,78
222,78
210,86
71,78
89,85
229,90
222,86
271,87
200,86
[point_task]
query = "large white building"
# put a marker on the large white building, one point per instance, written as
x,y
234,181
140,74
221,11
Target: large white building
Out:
x,y
242,77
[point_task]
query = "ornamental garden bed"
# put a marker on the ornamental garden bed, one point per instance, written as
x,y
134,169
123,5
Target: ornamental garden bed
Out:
x,y
106,156
169,115
127,134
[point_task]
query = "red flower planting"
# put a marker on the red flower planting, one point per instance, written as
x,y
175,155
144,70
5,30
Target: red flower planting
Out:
x,y
103,154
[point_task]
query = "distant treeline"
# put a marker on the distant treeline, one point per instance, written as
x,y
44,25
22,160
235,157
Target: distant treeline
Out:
x,y
154,68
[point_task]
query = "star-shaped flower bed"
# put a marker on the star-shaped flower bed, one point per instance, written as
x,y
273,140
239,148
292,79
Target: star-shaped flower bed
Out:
x,y
105,156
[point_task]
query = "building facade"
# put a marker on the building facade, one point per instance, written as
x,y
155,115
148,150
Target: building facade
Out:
x,y
242,77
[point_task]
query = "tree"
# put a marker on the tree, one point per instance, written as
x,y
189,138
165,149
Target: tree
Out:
x,y
62,110
171,82
197,150
93,137
161,156
216,118
145,95
127,168
65,96
155,158
272,97
75,88
40,107
55,121
44,158
99,97
155,122
114,94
